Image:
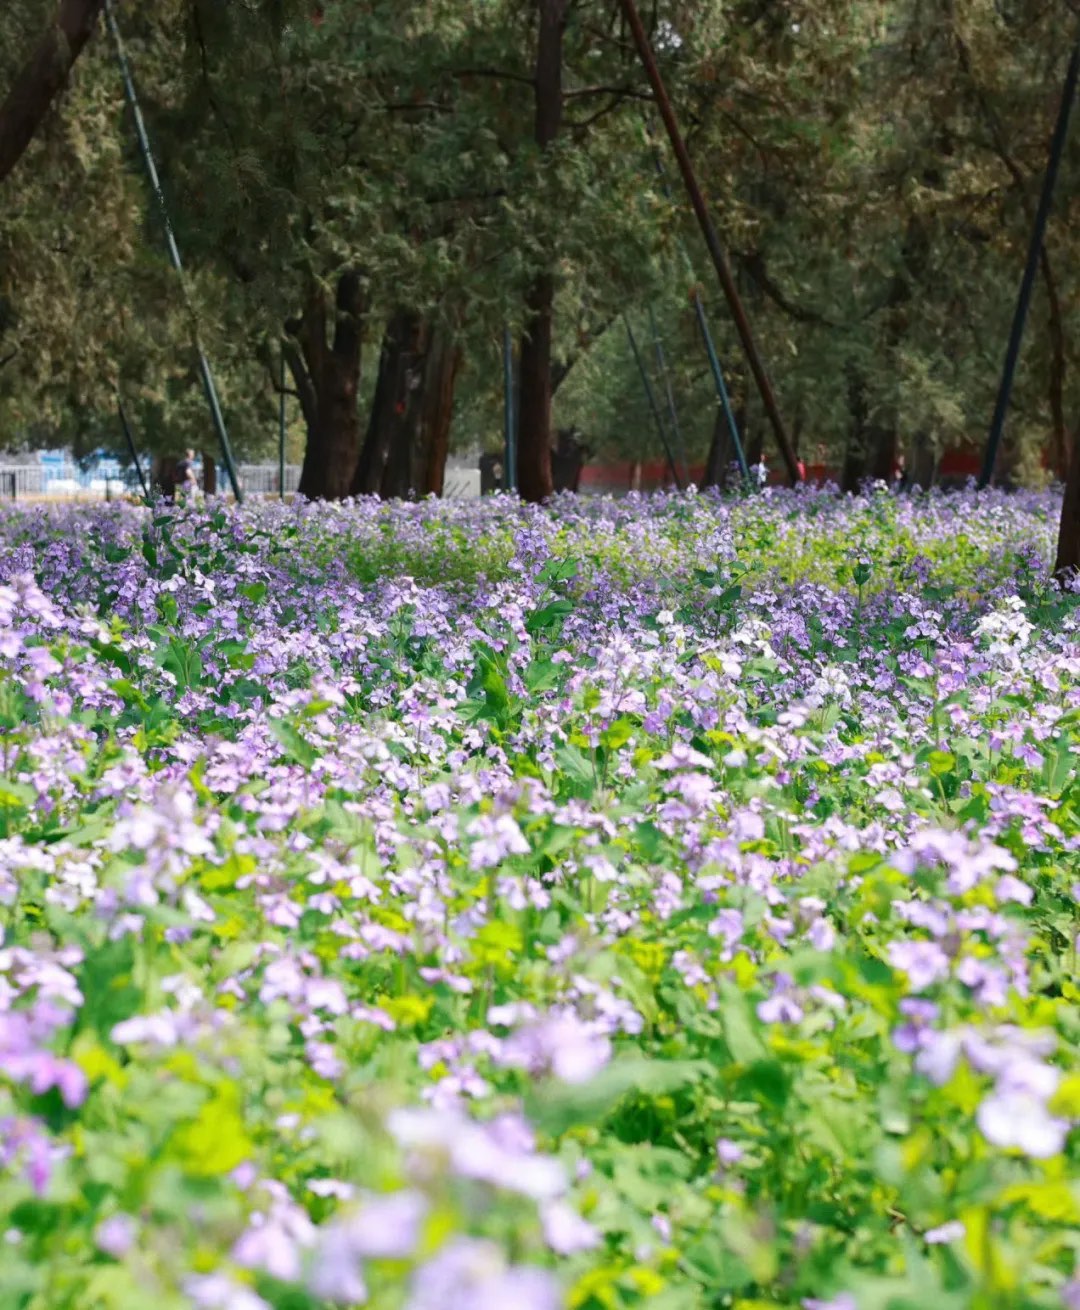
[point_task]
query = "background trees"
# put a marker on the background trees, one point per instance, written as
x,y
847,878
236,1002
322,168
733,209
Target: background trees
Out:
x,y
377,189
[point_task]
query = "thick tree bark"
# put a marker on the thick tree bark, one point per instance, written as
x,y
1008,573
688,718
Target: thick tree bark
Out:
x,y
419,443
852,471
721,453
924,463
1068,548
432,442
534,411
1060,454
383,466
568,460
327,377
883,446
43,77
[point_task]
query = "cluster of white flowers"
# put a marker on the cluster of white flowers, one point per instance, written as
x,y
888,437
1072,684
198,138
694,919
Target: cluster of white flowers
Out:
x,y
831,684
755,634
1006,629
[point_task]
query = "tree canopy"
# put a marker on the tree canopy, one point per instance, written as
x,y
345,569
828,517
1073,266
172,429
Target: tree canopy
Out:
x,y
378,189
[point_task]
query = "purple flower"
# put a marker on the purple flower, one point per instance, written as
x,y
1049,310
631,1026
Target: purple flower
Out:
x,y
1012,889
925,963
497,838
472,1275
116,1235
335,1273
728,1152
565,1231
495,1153
222,1292
387,1227
938,1056
780,1008
570,1048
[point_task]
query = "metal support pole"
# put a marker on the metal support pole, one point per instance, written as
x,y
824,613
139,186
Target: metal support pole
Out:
x,y
281,432
509,415
650,395
707,337
132,451
669,394
712,241
216,416
721,390
1038,234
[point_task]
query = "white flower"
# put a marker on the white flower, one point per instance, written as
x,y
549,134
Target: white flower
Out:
x,y
953,1231
1019,1121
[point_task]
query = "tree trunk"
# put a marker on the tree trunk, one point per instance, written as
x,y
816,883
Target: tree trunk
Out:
x,y
416,464
384,465
855,449
1060,454
568,461
163,474
43,77
1068,548
431,444
327,378
534,409
755,444
721,452
924,462
209,473
882,461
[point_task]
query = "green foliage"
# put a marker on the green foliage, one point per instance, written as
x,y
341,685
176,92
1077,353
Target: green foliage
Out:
x,y
872,174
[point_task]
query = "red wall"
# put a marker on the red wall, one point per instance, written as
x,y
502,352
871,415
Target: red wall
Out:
x,y
958,462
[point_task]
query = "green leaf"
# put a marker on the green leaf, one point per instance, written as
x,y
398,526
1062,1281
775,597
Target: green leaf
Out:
x,y
292,743
542,675
549,619
742,1029
216,1141
556,1107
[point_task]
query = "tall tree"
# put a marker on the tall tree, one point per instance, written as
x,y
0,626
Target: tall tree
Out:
x,y
326,370
534,388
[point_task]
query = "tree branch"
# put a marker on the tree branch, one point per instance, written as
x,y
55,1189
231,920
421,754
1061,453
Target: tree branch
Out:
x,y
754,263
502,74
43,77
587,338
625,92
305,388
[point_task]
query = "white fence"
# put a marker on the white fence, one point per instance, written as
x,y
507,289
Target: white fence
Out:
x,y
69,482
462,482
19,481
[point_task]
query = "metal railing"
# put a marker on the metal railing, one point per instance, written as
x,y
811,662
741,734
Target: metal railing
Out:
x,y
69,482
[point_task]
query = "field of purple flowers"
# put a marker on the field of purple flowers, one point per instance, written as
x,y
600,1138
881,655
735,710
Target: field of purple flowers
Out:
x,y
664,902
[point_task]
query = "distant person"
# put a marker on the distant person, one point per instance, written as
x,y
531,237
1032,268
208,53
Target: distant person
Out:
x,y
185,480
761,472
801,466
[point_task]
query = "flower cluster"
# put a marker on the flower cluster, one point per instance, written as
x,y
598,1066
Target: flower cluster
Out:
x,y
669,900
